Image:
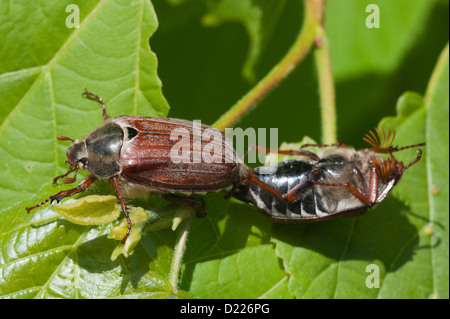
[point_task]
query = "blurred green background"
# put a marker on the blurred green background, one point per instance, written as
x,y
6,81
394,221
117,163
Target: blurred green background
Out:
x,y
202,49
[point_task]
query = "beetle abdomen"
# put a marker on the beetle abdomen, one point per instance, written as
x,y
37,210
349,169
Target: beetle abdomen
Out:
x,y
306,208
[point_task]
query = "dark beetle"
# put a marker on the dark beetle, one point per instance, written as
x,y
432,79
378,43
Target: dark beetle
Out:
x,y
338,181
137,154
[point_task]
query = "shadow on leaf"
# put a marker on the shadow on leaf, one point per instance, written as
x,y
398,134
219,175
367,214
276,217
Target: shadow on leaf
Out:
x,y
384,233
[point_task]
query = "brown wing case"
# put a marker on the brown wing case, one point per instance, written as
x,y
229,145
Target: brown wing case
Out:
x,y
176,155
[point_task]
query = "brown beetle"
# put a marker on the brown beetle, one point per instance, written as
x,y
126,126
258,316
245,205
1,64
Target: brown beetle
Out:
x,y
141,154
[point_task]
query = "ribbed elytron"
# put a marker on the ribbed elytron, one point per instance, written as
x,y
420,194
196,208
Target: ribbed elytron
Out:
x,y
136,154
335,182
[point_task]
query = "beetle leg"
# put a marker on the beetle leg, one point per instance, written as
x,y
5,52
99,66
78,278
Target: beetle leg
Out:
x,y
310,155
350,187
252,179
71,169
295,193
65,138
390,149
290,197
386,189
99,100
373,184
360,180
197,203
337,144
70,192
419,156
236,186
124,209
371,196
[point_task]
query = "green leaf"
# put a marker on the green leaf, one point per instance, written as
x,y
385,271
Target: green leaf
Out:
x,y
437,128
259,19
143,221
229,252
357,49
407,104
90,210
44,68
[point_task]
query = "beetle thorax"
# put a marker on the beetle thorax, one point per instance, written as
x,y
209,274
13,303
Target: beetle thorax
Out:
x,y
99,151
359,159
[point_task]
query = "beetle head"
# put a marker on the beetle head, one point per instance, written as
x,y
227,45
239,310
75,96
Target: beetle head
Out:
x,y
77,154
76,158
389,169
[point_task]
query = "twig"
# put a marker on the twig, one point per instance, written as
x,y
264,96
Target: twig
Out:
x,y
313,19
178,253
326,87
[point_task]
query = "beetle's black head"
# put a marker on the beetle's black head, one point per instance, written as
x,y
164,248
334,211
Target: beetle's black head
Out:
x,y
77,154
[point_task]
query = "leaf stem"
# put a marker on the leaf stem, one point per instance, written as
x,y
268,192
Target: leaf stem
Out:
x,y
313,18
326,87
178,253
